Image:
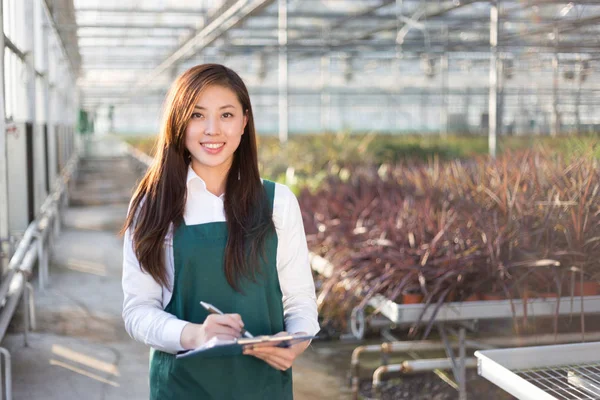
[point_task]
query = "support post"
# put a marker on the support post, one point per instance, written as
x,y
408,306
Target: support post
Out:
x,y
555,121
578,98
283,73
42,260
448,349
444,113
444,77
4,226
46,32
493,124
423,104
325,92
462,369
57,217
30,63
30,293
26,316
6,362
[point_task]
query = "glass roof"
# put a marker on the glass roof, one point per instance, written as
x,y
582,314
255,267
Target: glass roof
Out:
x,y
133,47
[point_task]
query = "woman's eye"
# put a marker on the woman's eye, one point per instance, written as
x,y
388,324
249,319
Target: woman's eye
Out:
x,y
196,115
228,115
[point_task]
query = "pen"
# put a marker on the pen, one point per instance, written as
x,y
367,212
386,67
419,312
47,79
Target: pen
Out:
x,y
214,310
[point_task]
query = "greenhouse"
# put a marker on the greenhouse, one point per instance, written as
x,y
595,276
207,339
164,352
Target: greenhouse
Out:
x,y
429,226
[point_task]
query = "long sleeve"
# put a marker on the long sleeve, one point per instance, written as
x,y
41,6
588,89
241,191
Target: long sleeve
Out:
x,y
293,267
143,309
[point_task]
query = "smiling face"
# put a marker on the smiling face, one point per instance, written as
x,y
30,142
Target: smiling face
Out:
x,y
214,131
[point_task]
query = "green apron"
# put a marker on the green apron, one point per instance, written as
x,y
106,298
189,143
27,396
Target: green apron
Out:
x,y
198,252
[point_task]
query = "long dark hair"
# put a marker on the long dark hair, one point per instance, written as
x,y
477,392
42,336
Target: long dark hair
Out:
x,y
159,199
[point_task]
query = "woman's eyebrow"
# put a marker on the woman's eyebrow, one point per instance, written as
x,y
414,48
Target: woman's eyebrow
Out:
x,y
221,108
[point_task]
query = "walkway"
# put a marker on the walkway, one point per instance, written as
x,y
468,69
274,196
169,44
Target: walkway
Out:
x,y
80,349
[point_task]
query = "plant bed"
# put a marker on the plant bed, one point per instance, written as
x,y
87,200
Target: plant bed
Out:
x,y
521,224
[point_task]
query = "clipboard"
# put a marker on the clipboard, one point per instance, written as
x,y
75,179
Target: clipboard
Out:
x,y
224,348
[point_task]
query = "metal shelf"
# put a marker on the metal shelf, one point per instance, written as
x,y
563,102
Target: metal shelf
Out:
x,y
563,372
492,309
404,314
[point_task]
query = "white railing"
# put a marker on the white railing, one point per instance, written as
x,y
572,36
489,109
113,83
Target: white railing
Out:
x,y
35,245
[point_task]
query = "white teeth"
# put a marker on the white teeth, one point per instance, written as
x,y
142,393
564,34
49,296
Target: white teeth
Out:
x,y
213,145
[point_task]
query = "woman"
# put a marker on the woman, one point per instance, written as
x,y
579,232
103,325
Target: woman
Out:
x,y
202,226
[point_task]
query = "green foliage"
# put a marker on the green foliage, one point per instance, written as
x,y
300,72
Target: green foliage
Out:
x,y
307,159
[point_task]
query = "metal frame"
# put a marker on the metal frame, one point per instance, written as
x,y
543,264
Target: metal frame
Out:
x,y
34,246
462,314
448,33
569,371
403,314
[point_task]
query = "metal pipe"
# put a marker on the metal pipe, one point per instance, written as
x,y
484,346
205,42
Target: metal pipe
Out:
x,y
534,340
485,343
5,285
355,365
431,364
376,388
389,347
32,229
23,246
430,345
397,347
13,300
28,261
4,354
412,366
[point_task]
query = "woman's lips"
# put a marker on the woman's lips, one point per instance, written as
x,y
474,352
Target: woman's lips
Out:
x,y
213,148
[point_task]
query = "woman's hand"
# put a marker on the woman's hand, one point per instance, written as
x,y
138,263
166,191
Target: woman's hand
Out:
x,y
224,327
278,357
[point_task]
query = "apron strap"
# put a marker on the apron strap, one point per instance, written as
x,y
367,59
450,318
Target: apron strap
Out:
x,y
270,189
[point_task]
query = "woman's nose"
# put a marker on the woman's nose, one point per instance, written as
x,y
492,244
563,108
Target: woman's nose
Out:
x,y
212,126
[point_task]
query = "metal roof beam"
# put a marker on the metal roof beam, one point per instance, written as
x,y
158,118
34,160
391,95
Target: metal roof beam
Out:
x,y
67,27
561,26
329,16
532,3
233,16
126,35
126,46
89,66
431,14
417,46
361,14
185,11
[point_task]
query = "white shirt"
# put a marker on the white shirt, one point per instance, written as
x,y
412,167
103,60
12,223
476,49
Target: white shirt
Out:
x,y
145,299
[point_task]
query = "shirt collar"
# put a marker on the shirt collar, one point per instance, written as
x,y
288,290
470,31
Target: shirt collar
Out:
x,y
191,176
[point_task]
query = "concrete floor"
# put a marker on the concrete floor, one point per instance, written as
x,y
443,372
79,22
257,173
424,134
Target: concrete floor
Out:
x,y
80,349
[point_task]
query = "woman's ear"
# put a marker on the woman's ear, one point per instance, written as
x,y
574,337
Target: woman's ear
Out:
x,y
245,121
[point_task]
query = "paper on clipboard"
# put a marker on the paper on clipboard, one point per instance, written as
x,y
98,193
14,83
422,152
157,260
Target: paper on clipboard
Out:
x,y
219,348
